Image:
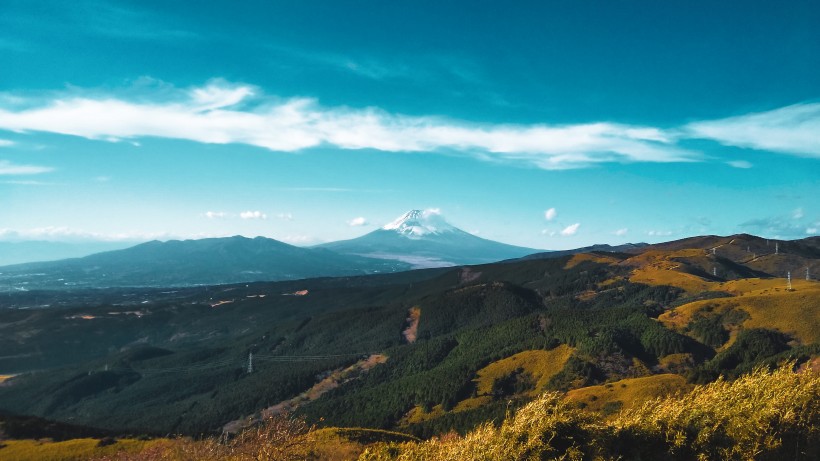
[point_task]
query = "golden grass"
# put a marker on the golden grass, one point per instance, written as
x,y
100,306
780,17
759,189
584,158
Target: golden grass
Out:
x,y
338,444
663,268
760,416
692,284
541,365
631,393
69,450
583,257
418,415
768,306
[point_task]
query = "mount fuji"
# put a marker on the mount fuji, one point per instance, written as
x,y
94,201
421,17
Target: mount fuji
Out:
x,y
425,239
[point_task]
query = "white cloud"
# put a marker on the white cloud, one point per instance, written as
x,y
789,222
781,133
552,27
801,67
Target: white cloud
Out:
x,y
359,221
8,168
285,216
222,113
788,130
298,239
621,232
740,164
28,182
658,233
6,143
572,229
218,95
785,226
215,214
63,233
550,214
253,215
811,231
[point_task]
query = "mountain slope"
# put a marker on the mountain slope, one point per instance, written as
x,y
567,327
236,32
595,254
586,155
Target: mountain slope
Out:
x,y
193,262
425,239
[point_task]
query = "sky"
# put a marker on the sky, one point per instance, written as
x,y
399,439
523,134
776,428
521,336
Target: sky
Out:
x,y
551,125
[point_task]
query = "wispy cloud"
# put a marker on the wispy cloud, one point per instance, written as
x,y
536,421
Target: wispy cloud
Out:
x,y
659,233
216,214
356,222
621,232
285,216
550,214
788,130
316,189
792,225
28,182
222,113
8,168
298,239
64,233
6,143
253,215
743,164
572,229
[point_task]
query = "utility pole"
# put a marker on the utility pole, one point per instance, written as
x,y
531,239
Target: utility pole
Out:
x,y
250,362
789,278
776,247
807,273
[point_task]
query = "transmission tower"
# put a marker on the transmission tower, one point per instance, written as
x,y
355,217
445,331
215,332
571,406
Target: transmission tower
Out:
x,y
789,278
250,362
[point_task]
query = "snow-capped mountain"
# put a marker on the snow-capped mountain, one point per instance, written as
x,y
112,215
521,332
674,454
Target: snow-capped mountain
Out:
x,y
424,238
415,224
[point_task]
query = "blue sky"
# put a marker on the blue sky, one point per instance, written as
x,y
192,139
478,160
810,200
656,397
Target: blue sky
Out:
x,y
546,124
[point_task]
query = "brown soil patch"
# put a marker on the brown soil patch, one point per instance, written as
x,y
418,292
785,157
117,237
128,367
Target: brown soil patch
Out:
x,y
410,333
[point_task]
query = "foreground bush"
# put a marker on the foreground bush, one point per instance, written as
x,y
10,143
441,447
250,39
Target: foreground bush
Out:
x,y
761,416
276,438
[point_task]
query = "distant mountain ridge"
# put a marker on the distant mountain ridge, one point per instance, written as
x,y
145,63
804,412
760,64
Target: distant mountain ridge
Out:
x,y
426,239
194,262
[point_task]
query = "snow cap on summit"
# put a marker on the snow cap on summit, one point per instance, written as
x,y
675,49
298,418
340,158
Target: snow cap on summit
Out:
x,y
417,223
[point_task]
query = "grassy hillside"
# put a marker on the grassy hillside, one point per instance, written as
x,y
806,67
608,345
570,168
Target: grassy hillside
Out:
x,y
627,393
761,416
